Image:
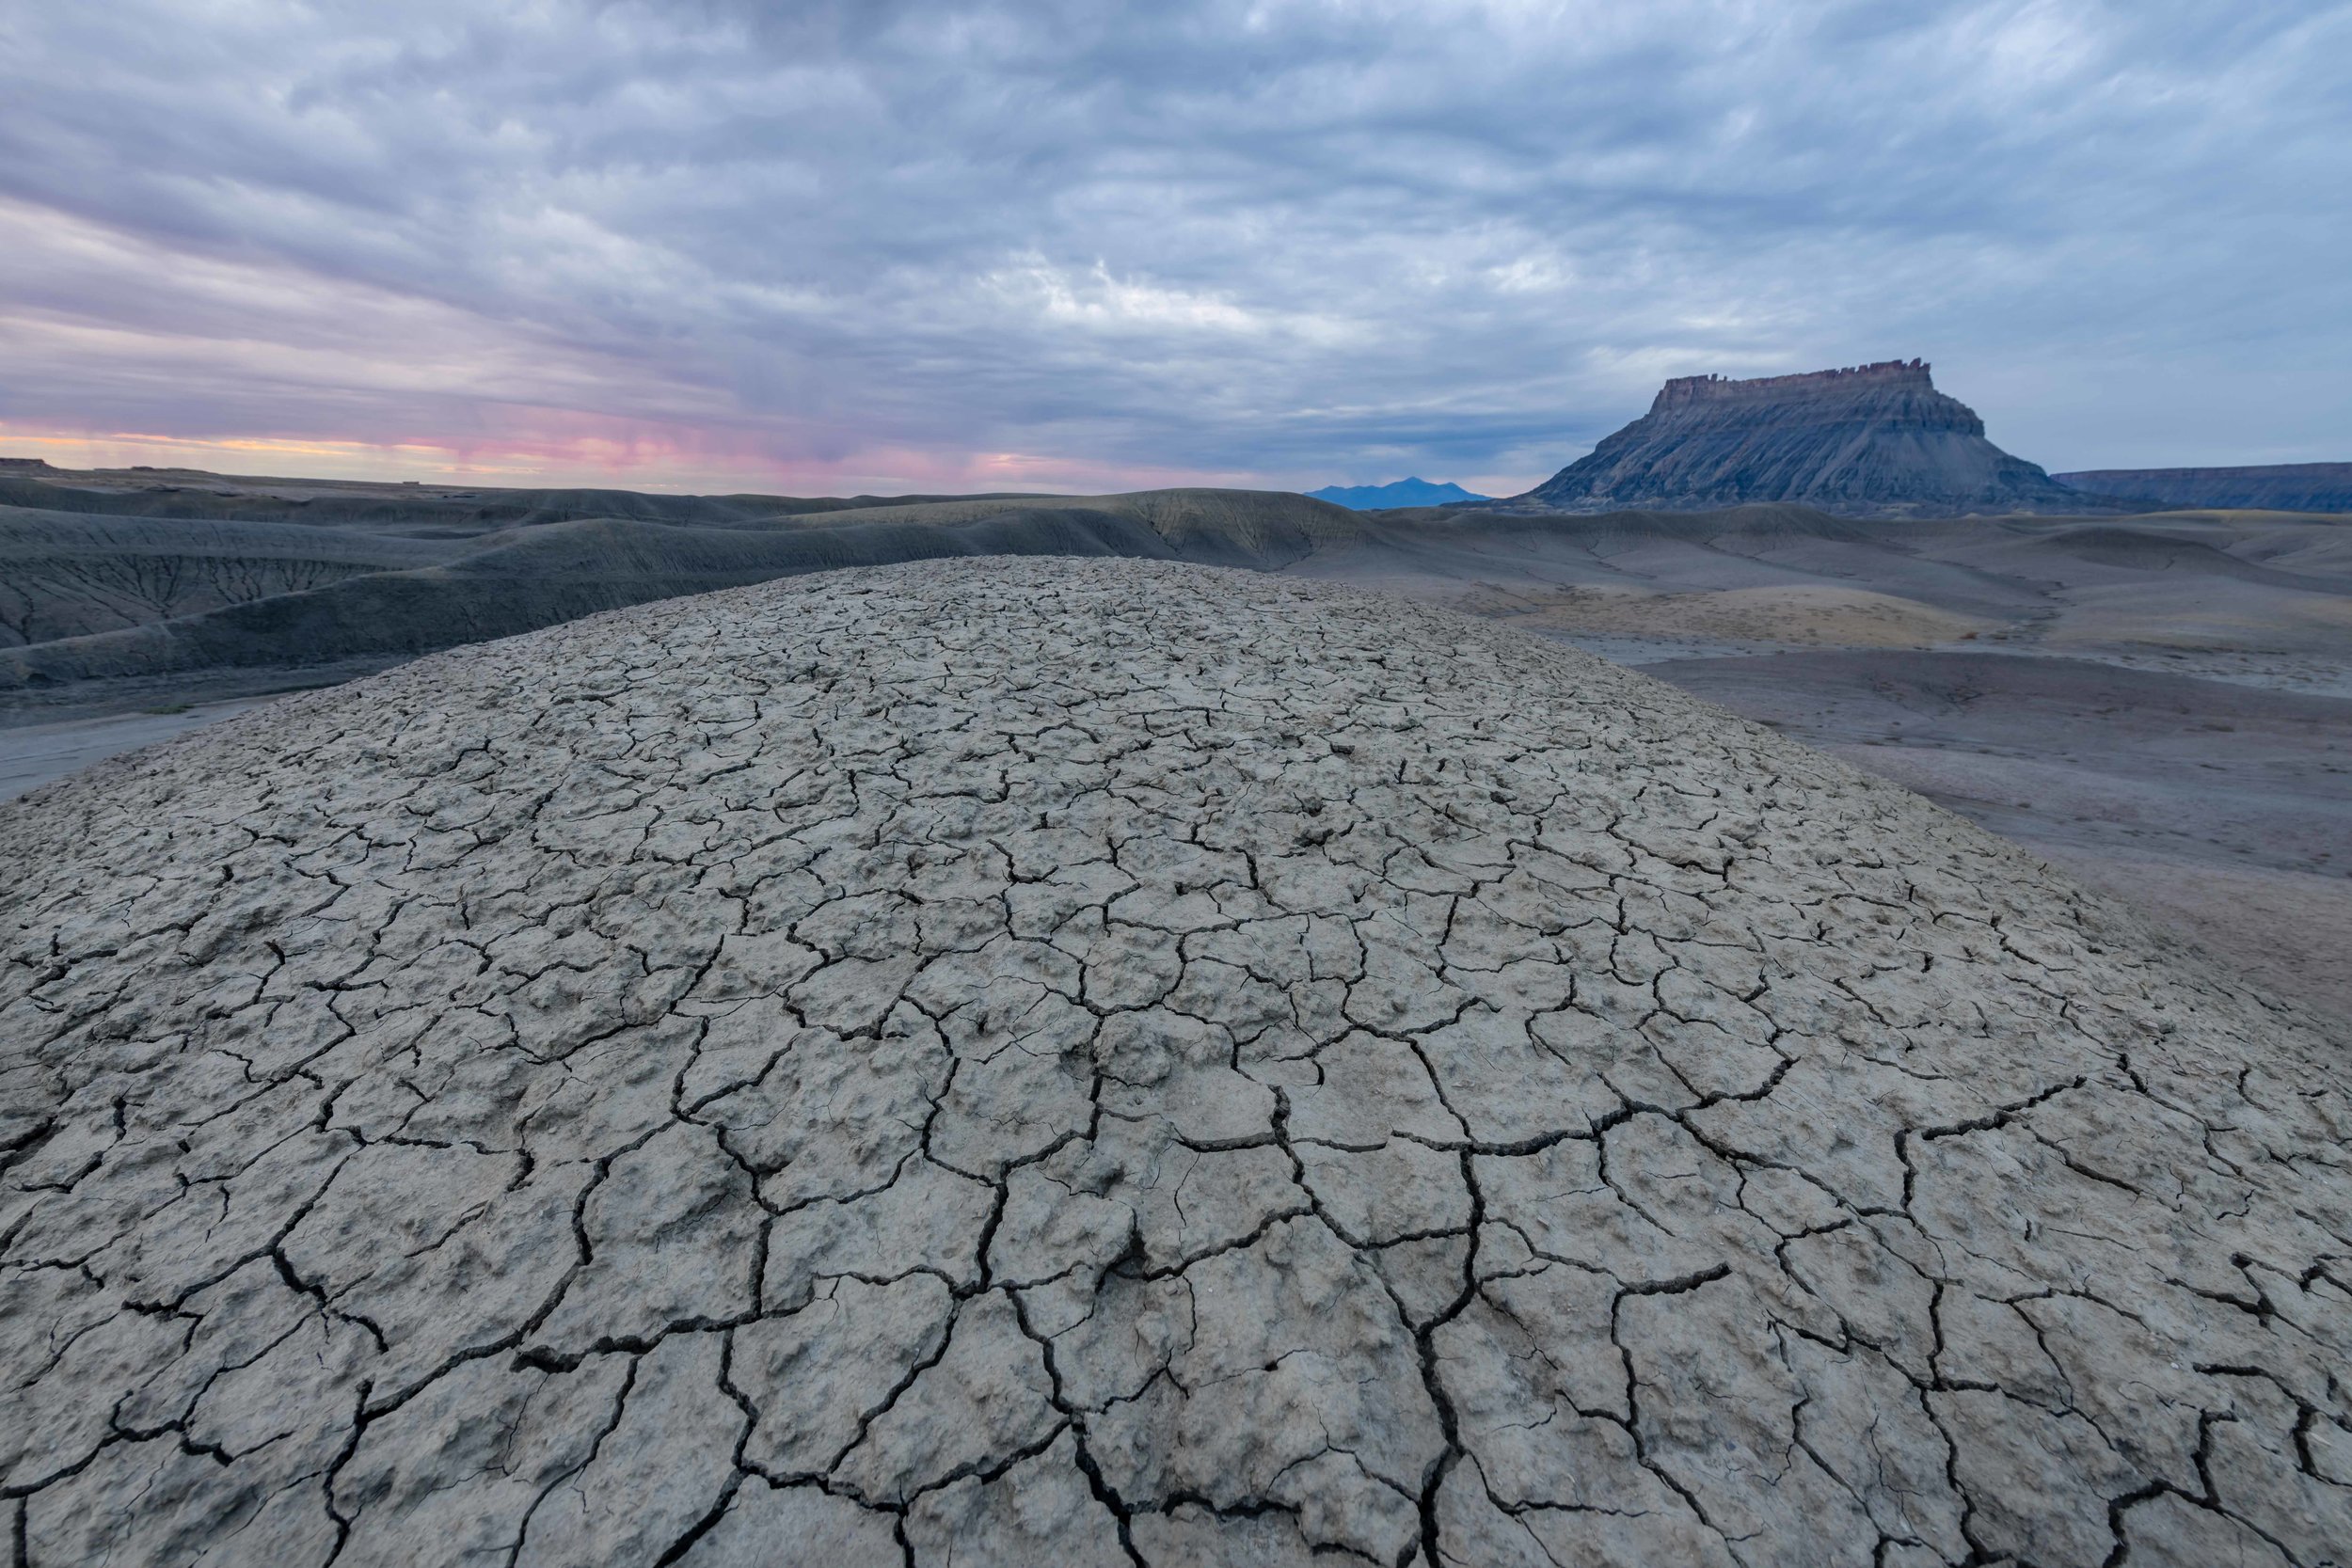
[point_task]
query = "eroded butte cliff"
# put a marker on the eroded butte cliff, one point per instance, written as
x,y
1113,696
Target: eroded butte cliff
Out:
x,y
1074,1062
1873,440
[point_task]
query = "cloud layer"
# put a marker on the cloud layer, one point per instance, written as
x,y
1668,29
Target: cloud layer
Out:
x,y
939,244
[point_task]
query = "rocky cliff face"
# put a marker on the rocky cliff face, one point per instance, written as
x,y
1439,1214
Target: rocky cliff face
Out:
x,y
1873,440
2275,487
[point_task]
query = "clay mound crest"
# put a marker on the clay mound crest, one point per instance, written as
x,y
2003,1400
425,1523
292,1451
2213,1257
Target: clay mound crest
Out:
x,y
1056,1061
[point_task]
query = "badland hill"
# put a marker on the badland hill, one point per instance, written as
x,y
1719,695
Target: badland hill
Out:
x,y
1113,1062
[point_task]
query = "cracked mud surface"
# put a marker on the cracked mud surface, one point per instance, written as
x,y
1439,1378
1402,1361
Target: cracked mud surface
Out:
x,y
1084,1061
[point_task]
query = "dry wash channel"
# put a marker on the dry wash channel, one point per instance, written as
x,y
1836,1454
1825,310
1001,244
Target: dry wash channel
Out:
x,y
1091,1062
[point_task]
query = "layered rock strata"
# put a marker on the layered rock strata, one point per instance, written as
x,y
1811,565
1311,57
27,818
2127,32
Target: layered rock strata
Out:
x,y
2274,487
1873,440
1018,1062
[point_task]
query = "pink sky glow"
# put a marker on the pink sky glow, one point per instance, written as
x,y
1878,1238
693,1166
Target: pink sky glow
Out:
x,y
648,460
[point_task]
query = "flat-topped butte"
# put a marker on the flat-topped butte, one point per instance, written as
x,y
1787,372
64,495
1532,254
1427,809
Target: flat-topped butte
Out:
x,y
1871,441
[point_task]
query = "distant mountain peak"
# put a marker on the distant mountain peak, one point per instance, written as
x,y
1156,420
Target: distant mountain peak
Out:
x,y
1415,491
1866,440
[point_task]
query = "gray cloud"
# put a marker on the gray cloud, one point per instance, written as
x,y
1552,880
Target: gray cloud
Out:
x,y
1299,241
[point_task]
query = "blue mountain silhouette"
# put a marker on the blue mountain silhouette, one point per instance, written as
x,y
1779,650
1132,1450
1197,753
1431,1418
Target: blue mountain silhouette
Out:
x,y
1405,492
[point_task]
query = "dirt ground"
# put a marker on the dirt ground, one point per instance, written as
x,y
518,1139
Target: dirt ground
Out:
x,y
2221,809
32,754
2160,706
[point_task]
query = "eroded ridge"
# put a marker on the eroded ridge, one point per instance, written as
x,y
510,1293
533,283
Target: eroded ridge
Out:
x,y
1073,1062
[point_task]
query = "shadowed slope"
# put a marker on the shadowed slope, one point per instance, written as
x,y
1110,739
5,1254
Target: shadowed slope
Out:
x,y
525,577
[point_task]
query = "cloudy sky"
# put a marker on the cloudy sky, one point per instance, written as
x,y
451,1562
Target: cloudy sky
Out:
x,y
813,246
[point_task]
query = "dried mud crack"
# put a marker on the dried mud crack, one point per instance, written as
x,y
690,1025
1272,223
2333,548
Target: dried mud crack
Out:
x,y
1050,1061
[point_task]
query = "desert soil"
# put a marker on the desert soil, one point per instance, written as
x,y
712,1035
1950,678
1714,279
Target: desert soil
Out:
x,y
2222,809
33,754
1005,1062
2172,792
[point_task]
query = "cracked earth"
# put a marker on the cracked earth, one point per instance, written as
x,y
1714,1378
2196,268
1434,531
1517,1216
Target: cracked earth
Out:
x,y
1046,1061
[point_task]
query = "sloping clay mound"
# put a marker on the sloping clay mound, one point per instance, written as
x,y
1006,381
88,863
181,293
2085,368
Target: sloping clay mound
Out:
x,y
1051,1062
1848,617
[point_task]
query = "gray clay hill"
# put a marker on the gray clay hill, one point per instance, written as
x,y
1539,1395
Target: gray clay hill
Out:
x,y
1051,1061
188,586
1873,440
